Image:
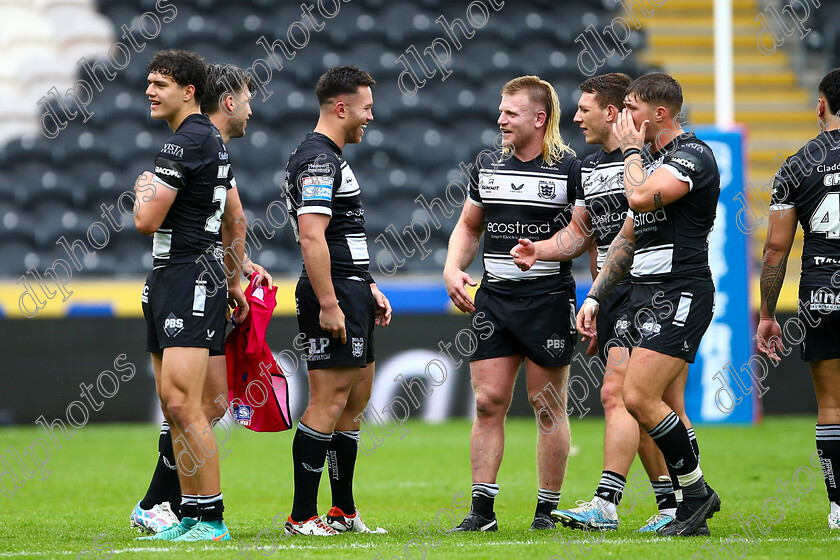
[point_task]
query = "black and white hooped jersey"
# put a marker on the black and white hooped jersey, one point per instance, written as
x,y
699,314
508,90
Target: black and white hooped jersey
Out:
x,y
319,181
194,162
809,181
523,199
601,192
672,242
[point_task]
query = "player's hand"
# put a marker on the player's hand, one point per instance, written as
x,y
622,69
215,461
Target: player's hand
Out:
x,y
331,320
524,254
383,307
263,277
236,300
586,318
592,349
455,281
625,131
769,339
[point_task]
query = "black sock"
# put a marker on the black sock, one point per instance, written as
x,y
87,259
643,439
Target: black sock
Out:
x,y
693,439
341,462
547,501
671,437
664,492
483,496
210,508
611,487
189,506
828,446
164,486
309,450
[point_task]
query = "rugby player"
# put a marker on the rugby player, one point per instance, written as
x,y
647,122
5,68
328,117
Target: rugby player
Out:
x,y
600,211
337,300
227,103
517,191
182,206
807,190
672,196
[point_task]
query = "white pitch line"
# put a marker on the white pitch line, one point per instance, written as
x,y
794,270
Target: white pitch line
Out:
x,y
442,545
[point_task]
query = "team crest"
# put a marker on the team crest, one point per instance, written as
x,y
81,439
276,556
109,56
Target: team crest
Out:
x,y
358,346
546,189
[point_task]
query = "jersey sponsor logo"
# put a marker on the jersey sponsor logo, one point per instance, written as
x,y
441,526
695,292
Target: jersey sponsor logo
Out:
x,y
173,150
621,326
317,346
144,297
518,228
210,334
555,345
828,471
224,156
319,168
824,300
546,189
649,217
173,325
831,180
695,145
600,221
489,184
826,260
650,328
828,168
223,171
358,346
685,163
170,172
516,188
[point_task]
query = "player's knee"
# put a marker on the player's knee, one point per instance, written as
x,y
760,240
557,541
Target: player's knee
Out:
x,y
214,410
489,405
634,401
611,398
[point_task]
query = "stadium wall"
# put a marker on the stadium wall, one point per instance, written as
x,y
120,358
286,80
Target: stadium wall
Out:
x,y
94,369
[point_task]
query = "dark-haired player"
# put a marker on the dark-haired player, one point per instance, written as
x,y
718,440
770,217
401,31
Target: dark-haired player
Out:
x,y
518,191
337,302
182,205
807,189
600,211
226,101
672,200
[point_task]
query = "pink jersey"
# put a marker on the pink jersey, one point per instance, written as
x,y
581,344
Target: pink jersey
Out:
x,y
257,389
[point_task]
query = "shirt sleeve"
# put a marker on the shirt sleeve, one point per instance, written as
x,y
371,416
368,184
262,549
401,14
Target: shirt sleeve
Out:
x,y
317,180
784,186
172,163
575,184
475,193
692,163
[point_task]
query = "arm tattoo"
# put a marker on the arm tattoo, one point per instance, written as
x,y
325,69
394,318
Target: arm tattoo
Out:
x,y
657,200
772,278
616,264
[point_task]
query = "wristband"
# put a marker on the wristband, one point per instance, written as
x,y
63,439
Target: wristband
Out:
x,y
590,296
630,151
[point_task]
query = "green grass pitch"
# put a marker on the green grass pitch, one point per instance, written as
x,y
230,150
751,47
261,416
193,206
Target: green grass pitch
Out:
x,y
81,510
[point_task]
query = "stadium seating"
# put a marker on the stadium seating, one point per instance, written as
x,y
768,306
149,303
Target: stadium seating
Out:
x,y
55,187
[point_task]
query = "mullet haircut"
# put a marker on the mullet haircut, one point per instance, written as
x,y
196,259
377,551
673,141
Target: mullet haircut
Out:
x,y
186,68
341,80
830,89
543,94
658,88
609,89
223,80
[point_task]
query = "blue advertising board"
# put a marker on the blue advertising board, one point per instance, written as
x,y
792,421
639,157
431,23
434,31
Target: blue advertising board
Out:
x,y
719,388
